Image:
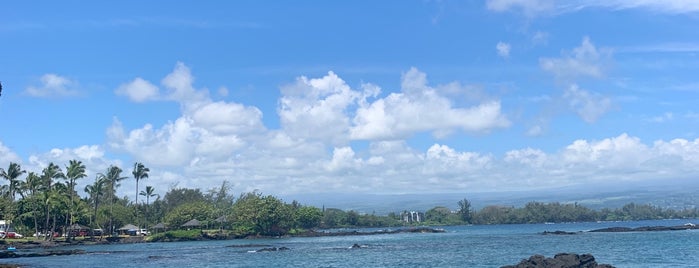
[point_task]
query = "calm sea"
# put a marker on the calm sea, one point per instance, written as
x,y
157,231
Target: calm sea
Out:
x,y
460,246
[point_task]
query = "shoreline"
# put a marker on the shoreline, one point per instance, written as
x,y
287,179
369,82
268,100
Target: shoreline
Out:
x,y
52,248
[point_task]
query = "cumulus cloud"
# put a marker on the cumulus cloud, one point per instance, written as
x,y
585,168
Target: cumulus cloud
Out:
x,y
584,61
53,85
7,156
503,49
206,130
589,106
419,107
138,90
317,108
313,149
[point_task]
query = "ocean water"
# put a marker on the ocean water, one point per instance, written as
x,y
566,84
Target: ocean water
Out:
x,y
460,246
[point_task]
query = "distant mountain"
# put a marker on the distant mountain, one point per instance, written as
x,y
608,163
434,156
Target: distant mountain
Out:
x,y
677,195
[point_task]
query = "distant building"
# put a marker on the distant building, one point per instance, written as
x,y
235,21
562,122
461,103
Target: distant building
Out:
x,y
412,216
4,225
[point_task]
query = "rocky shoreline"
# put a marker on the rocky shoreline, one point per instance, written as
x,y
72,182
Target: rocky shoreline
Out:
x,y
139,239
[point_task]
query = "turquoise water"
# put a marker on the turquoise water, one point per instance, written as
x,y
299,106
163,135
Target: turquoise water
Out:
x,y
460,246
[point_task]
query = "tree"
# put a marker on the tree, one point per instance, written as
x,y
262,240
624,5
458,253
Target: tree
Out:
x,y
148,193
112,178
48,174
12,174
30,188
465,210
139,172
308,217
262,215
438,214
74,171
96,191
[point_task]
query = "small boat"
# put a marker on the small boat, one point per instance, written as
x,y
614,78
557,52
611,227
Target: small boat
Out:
x,y
11,248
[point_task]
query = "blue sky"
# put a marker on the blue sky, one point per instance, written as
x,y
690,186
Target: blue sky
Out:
x,y
357,96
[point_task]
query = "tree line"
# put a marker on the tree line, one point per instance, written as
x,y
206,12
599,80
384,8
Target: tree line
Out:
x,y
47,202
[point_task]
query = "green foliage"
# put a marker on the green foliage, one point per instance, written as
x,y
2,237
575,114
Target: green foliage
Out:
x,y
178,196
176,235
262,215
308,217
188,211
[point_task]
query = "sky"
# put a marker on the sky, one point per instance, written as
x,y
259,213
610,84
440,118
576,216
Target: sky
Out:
x,y
385,97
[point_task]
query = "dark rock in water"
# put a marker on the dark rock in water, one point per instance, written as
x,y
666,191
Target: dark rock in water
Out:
x,y
272,249
13,254
558,233
358,246
561,260
688,226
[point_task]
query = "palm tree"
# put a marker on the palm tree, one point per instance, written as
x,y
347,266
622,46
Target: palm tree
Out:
x,y
12,174
112,179
96,191
74,171
47,176
148,193
30,188
139,172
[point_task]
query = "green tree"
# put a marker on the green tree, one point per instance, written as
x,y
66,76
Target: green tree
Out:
x,y
96,192
438,214
262,215
48,174
465,210
178,196
188,211
139,172
148,193
308,217
12,174
74,171
112,179
30,190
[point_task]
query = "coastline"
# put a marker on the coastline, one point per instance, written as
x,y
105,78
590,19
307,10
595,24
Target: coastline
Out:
x,y
53,247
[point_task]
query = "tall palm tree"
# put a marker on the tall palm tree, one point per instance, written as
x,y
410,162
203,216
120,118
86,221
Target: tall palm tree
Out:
x,y
112,179
74,171
139,172
11,175
48,174
96,191
148,193
31,188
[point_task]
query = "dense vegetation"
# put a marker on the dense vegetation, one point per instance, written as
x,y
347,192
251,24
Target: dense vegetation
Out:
x,y
49,203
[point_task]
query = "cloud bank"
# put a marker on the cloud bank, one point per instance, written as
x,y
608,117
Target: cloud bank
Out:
x,y
321,119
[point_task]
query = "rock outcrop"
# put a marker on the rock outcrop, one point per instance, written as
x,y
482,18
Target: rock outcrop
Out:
x,y
561,260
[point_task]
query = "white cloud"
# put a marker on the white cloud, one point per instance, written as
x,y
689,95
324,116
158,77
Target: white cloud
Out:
x,y
138,90
316,108
665,117
53,85
666,6
7,156
540,38
589,106
534,8
206,132
418,108
529,8
584,61
212,141
503,49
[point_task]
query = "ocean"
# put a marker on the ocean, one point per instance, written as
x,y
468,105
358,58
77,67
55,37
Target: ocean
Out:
x,y
459,246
